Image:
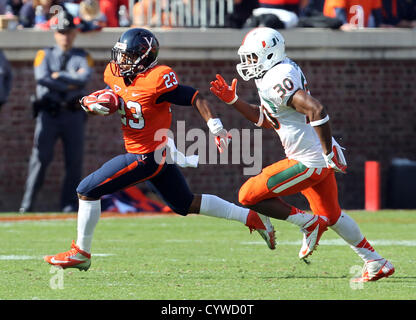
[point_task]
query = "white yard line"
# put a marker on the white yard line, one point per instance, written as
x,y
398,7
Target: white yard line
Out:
x,y
330,242
23,257
340,242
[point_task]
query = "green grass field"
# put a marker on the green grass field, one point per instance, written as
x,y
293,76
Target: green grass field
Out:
x,y
201,258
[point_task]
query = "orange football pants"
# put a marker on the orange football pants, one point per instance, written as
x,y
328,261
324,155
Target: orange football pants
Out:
x,y
288,177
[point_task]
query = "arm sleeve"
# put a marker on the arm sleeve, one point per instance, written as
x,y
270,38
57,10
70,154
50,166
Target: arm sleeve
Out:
x,y
181,95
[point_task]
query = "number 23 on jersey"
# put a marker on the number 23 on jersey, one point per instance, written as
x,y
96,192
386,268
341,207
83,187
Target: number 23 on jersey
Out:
x,y
138,121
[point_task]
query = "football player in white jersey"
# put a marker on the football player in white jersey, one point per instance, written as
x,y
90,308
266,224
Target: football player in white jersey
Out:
x,y
312,154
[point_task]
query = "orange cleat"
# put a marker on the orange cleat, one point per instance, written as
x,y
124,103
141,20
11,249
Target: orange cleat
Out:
x,y
312,232
375,270
74,258
262,224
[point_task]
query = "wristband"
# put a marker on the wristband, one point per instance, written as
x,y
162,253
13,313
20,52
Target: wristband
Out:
x,y
319,122
215,126
261,118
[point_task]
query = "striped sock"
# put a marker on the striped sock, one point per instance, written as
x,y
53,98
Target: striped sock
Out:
x,y
348,230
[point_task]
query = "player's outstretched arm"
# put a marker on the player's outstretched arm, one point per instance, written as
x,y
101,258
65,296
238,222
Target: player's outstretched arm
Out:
x,y
222,137
304,103
228,94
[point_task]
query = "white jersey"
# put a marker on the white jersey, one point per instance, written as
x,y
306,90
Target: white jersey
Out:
x,y
299,139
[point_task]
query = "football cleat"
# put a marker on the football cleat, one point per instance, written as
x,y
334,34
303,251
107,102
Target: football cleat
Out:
x,y
74,258
262,224
375,269
312,232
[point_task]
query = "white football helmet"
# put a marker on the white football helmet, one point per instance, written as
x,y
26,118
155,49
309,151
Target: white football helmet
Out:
x,y
262,48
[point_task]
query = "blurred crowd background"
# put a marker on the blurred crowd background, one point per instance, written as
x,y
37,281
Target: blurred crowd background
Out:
x,y
93,15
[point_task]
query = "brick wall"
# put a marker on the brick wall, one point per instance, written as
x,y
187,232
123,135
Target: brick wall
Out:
x,y
371,105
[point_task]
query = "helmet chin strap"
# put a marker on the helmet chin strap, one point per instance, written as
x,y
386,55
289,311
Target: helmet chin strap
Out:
x,y
131,74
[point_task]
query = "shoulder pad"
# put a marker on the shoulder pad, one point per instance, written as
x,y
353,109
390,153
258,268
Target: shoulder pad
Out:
x,y
163,78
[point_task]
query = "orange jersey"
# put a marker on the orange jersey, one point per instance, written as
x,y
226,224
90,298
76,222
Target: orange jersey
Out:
x,y
366,5
141,116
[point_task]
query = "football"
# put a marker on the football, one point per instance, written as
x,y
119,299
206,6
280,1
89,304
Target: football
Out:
x,y
108,99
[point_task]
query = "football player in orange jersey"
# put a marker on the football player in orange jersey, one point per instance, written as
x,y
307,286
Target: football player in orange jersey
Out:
x,y
146,91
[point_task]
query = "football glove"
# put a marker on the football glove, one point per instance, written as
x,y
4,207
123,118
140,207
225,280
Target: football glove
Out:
x,y
223,91
336,160
92,104
222,137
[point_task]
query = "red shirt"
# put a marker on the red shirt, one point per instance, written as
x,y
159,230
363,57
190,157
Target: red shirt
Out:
x,y
110,9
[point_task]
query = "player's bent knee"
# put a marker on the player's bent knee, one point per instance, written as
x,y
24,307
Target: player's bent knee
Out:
x,y
245,196
85,190
81,197
180,210
333,218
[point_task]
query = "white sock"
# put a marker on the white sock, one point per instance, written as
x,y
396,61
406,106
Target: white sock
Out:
x,y
216,207
299,217
348,230
88,215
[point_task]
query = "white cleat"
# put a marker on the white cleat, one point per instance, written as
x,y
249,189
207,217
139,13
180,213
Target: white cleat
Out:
x,y
312,232
375,270
262,224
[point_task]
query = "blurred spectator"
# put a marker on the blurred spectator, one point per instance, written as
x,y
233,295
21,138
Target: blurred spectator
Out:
x,y
36,13
399,13
111,8
354,13
13,7
276,14
90,17
5,79
312,16
9,20
61,73
311,8
289,5
242,11
3,4
141,14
